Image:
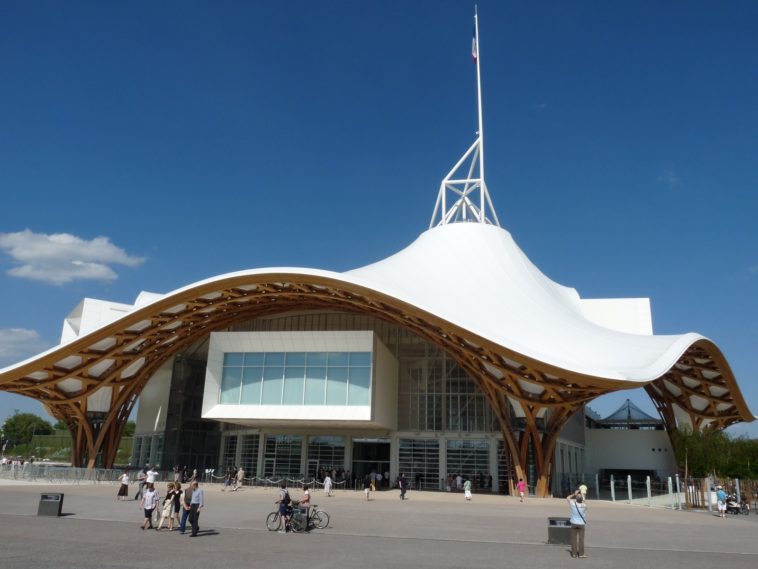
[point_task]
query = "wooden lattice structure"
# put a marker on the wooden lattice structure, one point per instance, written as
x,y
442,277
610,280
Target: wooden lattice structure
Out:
x,y
92,383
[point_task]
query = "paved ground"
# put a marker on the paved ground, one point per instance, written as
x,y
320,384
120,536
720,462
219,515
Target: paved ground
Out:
x,y
430,530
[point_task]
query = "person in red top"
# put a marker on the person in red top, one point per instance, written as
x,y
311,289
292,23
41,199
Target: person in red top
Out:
x,y
521,487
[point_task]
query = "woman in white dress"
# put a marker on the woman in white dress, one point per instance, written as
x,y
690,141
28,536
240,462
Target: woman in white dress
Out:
x,y
328,485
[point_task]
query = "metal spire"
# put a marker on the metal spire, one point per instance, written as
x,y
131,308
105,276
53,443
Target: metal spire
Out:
x,y
463,189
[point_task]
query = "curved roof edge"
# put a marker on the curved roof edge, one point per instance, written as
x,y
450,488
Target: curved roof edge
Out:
x,y
469,278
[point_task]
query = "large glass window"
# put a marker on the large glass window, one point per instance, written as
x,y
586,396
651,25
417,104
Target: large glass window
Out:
x,y
324,455
249,454
419,460
282,458
296,378
229,453
506,474
468,457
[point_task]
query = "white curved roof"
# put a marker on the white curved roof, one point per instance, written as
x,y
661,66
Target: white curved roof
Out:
x,y
475,276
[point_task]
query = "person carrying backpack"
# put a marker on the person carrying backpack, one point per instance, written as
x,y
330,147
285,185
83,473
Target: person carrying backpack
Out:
x,y
284,507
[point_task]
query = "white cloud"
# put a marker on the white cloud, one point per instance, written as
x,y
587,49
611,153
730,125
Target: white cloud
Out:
x,y
60,258
17,344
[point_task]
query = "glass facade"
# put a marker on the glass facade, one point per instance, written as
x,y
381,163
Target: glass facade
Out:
x,y
249,454
420,458
506,474
282,456
468,457
325,453
296,378
436,394
229,452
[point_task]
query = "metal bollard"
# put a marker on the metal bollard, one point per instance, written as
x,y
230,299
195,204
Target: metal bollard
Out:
x,y
671,493
597,487
613,489
678,493
647,486
629,486
708,483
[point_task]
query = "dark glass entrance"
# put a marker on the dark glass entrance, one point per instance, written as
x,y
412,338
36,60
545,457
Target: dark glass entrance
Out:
x,y
371,455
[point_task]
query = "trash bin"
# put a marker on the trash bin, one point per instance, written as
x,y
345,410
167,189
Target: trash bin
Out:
x,y
559,531
50,505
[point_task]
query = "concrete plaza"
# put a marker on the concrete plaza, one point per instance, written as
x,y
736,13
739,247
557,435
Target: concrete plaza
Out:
x,y
429,530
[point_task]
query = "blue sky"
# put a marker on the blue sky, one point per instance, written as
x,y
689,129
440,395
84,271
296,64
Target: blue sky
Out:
x,y
163,143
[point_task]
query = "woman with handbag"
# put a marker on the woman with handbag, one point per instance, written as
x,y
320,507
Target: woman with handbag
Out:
x,y
167,511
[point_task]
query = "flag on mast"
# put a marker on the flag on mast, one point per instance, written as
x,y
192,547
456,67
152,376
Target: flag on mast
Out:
x,y
474,53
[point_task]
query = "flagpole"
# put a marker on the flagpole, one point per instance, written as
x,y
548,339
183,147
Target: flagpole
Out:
x,y
479,104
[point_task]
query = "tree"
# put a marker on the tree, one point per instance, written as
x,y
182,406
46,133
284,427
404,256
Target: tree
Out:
x,y
21,427
129,428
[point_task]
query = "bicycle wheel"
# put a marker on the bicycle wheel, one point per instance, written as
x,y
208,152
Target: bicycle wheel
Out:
x,y
745,509
320,519
272,521
296,525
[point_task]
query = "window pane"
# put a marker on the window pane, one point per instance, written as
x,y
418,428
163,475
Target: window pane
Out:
x,y
272,385
275,359
315,385
360,382
253,359
316,358
295,359
360,359
294,380
230,385
336,386
338,358
233,359
252,377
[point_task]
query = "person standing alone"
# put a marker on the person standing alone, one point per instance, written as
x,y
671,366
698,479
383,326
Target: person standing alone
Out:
x,y
578,511
521,487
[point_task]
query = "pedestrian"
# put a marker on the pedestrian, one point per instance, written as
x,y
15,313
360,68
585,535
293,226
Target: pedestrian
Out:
x,y
186,499
167,508
521,487
123,490
284,506
328,485
721,501
149,502
467,489
578,511
367,486
403,483
177,505
196,504
239,479
141,478
418,481
151,476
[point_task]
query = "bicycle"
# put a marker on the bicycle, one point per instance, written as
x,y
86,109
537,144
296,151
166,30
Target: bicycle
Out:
x,y
318,519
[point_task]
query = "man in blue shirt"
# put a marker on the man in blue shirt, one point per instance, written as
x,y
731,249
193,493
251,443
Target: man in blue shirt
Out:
x,y
196,504
721,501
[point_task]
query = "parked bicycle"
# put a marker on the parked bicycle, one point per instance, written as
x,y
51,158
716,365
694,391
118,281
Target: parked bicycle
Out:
x,y
297,521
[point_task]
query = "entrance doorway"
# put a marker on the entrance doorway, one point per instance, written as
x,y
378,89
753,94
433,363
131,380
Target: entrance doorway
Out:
x,y
371,455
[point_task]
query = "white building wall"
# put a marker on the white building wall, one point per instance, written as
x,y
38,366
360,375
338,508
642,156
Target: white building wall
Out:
x,y
384,386
633,449
153,401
